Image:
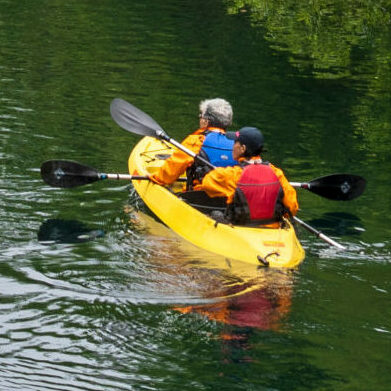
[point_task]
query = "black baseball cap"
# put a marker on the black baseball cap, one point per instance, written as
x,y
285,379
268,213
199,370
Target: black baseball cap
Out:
x,y
252,138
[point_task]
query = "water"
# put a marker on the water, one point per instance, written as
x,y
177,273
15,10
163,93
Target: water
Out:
x,y
95,297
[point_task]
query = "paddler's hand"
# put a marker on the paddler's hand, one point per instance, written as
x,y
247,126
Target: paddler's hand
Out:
x,y
198,187
153,179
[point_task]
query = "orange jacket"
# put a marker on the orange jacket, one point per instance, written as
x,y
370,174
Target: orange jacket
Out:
x,y
179,161
221,182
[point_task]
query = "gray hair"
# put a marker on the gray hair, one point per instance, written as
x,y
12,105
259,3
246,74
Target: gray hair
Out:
x,y
217,111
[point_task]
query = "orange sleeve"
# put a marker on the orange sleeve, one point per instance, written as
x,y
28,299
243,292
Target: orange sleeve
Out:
x,y
178,162
221,182
290,197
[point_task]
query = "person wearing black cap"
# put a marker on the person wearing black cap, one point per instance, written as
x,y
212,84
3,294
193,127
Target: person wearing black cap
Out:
x,y
257,192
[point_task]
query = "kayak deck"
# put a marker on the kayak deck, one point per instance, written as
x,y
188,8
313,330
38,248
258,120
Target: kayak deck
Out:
x,y
276,247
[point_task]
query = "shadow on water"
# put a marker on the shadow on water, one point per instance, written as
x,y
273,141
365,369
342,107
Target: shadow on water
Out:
x,y
339,223
66,231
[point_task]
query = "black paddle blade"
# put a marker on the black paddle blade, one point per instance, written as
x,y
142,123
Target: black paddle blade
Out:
x,y
134,120
338,187
67,173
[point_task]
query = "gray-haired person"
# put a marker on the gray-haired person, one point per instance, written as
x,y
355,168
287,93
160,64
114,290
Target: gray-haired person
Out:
x,y
209,142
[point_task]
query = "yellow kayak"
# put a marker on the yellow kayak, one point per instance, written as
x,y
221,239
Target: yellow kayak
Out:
x,y
275,247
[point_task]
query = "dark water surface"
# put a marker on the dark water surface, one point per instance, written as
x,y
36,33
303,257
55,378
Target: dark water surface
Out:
x,y
95,297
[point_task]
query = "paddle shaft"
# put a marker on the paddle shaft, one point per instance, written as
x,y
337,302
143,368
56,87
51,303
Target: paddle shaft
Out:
x,y
304,185
319,234
68,173
128,177
125,177
178,145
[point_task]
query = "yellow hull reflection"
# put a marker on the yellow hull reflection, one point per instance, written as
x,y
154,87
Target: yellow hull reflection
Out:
x,y
231,292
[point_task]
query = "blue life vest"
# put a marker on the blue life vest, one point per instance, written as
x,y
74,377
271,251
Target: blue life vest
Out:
x,y
218,149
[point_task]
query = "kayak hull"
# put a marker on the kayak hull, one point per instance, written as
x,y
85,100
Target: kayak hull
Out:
x,y
275,247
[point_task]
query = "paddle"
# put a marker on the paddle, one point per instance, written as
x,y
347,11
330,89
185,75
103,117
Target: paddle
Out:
x,y
134,120
67,173
339,187
318,233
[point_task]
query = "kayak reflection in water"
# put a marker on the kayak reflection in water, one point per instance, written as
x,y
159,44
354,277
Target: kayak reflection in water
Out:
x,y
262,306
257,192
237,294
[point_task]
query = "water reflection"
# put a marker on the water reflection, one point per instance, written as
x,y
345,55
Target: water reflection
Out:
x,y
263,304
227,291
332,40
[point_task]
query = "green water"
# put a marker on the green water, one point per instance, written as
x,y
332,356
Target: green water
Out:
x,y
89,300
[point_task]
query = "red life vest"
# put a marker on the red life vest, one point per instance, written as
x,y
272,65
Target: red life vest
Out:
x,y
262,193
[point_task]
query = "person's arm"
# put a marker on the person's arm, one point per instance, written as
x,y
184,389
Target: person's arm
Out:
x,y
290,196
221,182
177,163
